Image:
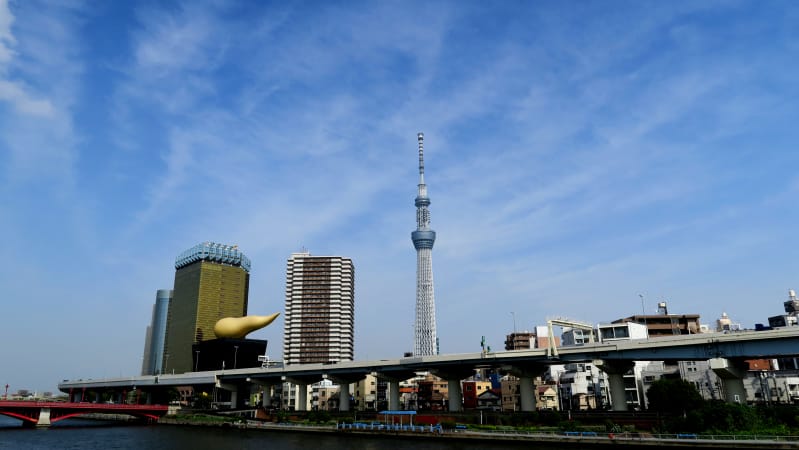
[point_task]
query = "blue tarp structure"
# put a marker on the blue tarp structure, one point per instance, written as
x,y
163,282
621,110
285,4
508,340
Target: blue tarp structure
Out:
x,y
393,426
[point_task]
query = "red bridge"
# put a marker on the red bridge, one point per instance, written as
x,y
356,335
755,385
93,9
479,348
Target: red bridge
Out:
x,y
45,413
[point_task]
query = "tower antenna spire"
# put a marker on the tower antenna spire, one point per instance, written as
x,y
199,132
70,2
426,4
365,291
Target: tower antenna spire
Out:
x,y
425,340
420,137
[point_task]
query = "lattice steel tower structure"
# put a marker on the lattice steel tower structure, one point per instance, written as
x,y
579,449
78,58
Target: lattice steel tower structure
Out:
x,y
425,341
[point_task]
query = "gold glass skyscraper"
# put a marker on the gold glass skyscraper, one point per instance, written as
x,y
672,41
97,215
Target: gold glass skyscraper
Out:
x,y
212,281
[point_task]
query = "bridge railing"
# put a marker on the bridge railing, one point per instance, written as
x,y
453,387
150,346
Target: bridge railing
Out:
x,y
641,436
86,405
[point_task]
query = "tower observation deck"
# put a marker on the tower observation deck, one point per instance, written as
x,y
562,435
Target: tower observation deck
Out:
x,y
425,343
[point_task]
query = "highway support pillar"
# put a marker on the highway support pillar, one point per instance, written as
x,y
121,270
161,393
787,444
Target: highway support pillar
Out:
x,y
302,397
266,396
44,418
615,370
266,391
344,383
301,384
344,397
455,395
233,389
393,379
454,377
526,373
393,395
526,393
732,374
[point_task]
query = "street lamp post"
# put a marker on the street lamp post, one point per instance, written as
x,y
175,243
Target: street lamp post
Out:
x,y
196,359
166,364
643,314
235,355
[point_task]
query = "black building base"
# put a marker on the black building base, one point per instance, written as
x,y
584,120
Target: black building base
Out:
x,y
226,353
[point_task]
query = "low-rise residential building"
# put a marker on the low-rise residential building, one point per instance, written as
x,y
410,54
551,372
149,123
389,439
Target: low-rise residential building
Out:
x,y
546,397
509,393
575,336
490,399
326,397
524,340
625,331
582,386
432,393
519,341
365,393
665,324
471,390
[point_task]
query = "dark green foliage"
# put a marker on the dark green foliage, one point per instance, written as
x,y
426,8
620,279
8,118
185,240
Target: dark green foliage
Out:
x,y
318,416
549,418
569,425
448,424
729,417
787,415
520,419
673,396
611,427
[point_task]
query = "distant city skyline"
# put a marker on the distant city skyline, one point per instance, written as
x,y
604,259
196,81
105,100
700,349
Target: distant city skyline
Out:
x,y
584,153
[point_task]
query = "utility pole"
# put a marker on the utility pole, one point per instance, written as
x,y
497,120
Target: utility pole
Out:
x,y
643,314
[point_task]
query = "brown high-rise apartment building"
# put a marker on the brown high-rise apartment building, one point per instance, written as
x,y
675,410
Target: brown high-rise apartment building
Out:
x,y
211,282
320,309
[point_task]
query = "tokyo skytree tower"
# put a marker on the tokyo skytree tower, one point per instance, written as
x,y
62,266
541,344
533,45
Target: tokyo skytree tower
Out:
x,y
424,335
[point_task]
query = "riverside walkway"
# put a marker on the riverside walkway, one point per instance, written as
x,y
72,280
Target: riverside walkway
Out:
x,y
587,439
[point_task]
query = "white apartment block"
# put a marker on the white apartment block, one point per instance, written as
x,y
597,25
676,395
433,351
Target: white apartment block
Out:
x,y
320,309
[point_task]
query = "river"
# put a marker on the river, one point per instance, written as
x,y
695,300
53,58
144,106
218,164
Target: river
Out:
x,y
94,435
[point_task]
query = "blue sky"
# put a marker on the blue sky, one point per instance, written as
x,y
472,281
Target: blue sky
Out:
x,y
578,154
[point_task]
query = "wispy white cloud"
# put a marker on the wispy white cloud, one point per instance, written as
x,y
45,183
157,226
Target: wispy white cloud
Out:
x,y
6,36
14,91
172,43
15,94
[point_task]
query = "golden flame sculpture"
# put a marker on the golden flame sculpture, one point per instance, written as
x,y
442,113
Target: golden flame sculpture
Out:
x,y
238,327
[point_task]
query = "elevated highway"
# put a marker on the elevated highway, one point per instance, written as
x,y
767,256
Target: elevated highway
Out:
x,y
725,351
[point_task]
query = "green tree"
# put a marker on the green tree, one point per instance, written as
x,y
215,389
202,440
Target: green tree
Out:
x,y
729,417
673,396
